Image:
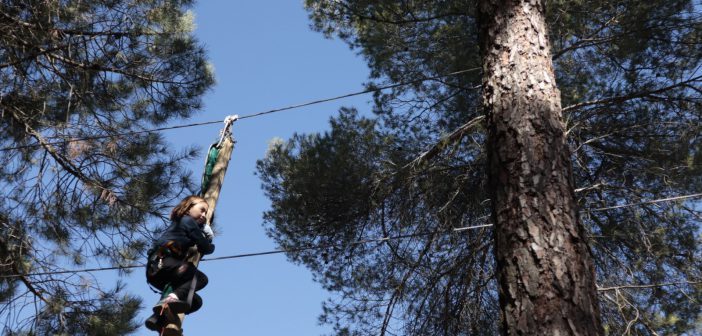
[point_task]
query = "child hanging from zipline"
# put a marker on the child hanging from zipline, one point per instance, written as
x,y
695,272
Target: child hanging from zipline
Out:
x,y
167,268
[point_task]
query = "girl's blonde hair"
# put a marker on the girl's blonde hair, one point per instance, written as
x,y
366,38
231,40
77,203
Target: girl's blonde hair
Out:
x,y
184,206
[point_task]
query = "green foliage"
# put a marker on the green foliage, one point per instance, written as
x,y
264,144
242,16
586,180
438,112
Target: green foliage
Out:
x,y
88,69
111,314
630,85
12,244
346,186
328,190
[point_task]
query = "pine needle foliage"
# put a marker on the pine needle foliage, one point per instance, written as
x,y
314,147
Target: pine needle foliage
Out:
x,y
631,89
88,70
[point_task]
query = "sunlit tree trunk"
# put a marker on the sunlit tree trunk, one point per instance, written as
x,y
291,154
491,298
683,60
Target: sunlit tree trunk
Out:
x,y
544,269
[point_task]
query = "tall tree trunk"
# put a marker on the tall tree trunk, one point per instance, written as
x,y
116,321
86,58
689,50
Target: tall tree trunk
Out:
x,y
544,269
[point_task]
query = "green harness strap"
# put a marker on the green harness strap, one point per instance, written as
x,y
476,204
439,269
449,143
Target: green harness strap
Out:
x,y
212,155
168,289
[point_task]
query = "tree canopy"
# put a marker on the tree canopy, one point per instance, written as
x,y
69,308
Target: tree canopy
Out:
x,y
631,89
80,80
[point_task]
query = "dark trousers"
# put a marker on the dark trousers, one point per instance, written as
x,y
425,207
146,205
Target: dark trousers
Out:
x,y
179,274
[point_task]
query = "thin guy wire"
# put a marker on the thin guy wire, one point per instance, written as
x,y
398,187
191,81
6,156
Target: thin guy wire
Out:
x,y
97,137
237,256
319,101
246,255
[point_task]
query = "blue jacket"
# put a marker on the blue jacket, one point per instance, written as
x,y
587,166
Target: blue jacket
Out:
x,y
185,233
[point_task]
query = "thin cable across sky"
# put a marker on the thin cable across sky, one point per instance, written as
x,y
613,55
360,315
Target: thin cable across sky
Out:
x,y
253,115
365,241
255,254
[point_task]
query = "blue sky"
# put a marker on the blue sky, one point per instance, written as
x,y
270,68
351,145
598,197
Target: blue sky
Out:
x,y
265,56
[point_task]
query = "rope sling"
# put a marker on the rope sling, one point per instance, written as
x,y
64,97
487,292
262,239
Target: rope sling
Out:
x,y
216,163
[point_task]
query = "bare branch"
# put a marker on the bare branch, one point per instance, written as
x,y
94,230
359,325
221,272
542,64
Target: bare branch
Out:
x,y
614,288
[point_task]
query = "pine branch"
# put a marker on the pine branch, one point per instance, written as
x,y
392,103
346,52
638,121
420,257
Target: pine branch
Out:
x,y
68,166
456,135
624,98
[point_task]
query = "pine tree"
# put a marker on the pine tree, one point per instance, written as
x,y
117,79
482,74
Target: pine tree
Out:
x,y
76,76
629,86
545,276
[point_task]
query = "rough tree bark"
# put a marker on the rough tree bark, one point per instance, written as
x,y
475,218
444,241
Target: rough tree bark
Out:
x,y
544,268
